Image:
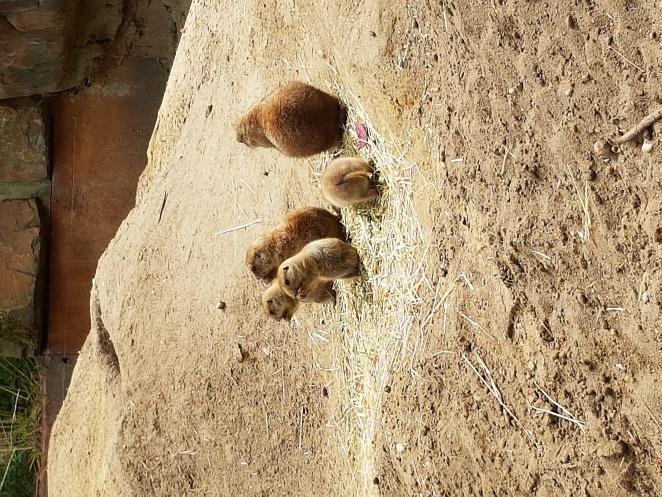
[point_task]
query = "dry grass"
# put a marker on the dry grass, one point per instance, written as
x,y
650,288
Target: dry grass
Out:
x,y
371,324
585,232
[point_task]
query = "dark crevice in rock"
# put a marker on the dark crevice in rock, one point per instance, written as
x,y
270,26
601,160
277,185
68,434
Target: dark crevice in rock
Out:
x,y
104,347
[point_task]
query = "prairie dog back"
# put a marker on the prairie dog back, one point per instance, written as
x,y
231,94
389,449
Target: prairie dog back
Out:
x,y
298,119
326,260
348,181
299,227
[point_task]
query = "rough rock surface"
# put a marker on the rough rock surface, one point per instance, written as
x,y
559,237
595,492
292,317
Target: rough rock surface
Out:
x,y
19,269
22,142
53,45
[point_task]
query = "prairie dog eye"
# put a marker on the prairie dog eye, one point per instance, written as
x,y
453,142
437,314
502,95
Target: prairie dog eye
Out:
x,y
270,301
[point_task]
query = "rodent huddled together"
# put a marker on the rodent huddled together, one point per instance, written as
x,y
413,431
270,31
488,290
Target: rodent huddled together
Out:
x,y
309,250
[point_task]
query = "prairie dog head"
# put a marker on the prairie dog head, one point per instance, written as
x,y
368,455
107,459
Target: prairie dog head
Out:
x,y
249,131
291,278
261,261
277,304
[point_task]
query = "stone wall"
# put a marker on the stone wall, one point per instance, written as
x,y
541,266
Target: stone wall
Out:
x,y
52,45
20,250
22,142
24,197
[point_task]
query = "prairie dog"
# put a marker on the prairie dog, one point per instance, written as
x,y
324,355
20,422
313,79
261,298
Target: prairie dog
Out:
x,y
297,119
322,260
279,305
347,181
299,227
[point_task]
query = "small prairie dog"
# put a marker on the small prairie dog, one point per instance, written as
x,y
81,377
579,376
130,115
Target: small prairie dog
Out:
x,y
347,181
279,305
322,260
297,119
299,227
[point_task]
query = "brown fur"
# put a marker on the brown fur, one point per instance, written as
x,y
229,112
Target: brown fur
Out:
x,y
347,181
322,260
278,305
298,228
297,119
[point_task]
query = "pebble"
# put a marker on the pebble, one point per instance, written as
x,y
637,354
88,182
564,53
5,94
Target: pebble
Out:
x,y
238,353
601,148
647,146
570,22
613,448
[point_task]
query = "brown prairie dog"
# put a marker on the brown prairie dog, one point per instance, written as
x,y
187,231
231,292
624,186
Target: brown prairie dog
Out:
x,y
322,260
278,305
299,227
347,181
297,119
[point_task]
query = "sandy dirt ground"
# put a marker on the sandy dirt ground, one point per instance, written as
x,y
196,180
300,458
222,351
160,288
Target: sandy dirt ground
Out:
x,y
540,266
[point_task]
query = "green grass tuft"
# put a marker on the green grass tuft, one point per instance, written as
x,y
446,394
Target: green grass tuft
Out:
x,y
21,403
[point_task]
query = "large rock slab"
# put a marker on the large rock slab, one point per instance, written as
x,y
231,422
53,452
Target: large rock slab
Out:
x,y
22,143
19,269
53,45
8,6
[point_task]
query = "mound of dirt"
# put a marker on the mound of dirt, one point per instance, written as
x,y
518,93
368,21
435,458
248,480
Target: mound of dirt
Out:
x,y
534,355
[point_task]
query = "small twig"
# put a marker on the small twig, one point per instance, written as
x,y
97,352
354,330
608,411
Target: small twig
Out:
x,y
579,424
540,254
583,202
240,227
651,414
503,164
567,415
301,415
494,390
4,476
13,418
646,122
626,59
477,325
165,197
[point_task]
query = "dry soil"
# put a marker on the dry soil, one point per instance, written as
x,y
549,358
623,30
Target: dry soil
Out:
x,y
496,106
